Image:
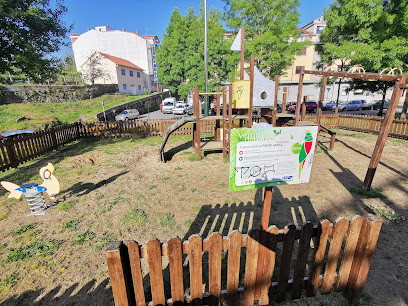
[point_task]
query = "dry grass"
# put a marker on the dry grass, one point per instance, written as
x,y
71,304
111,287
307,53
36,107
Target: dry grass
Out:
x,y
117,189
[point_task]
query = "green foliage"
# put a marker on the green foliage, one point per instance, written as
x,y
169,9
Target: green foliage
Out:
x,y
136,216
9,280
72,225
167,219
103,242
24,228
67,72
271,31
370,33
188,223
385,214
81,238
180,56
31,31
36,248
372,193
65,205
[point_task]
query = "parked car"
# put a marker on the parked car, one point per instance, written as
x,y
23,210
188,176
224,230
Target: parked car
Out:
x,y
169,99
190,110
180,108
330,105
352,105
311,107
127,114
14,134
289,104
377,104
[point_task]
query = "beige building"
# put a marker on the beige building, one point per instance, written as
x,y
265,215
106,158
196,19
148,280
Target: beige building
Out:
x,y
102,68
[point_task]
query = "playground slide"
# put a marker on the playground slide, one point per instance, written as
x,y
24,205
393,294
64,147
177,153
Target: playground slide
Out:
x,y
175,126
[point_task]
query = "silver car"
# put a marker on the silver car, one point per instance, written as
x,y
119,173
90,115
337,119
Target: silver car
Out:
x,y
353,105
127,114
180,108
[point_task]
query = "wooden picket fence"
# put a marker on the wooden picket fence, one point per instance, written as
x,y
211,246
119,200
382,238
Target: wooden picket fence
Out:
x,y
224,269
22,149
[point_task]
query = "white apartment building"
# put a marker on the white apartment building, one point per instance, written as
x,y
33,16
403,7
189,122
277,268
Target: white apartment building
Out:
x,y
115,70
122,44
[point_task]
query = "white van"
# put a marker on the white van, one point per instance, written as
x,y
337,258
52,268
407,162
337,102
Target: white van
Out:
x,y
168,105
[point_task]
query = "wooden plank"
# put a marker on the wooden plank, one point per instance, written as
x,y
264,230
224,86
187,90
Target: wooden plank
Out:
x,y
275,101
284,269
137,278
325,229
339,230
363,76
351,243
175,250
251,90
303,252
234,254
196,269
117,274
242,60
266,212
268,264
285,94
250,267
155,271
383,134
373,230
214,278
299,96
197,134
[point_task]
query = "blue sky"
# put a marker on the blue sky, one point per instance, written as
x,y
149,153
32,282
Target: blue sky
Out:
x,y
151,17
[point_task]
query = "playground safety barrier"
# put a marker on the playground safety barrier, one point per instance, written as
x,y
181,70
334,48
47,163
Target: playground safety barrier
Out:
x,y
226,269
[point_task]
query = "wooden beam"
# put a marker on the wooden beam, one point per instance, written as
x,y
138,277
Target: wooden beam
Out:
x,y
275,101
320,105
196,125
385,129
224,121
363,76
242,62
251,90
285,96
218,121
299,96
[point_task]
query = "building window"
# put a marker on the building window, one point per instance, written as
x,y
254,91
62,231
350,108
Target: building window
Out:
x,y
131,73
123,71
138,74
124,87
319,29
298,69
303,52
139,87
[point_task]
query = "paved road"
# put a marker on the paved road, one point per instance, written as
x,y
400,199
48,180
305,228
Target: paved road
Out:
x,y
159,115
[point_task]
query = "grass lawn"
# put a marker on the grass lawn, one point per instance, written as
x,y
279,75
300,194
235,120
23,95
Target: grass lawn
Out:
x,y
117,189
39,114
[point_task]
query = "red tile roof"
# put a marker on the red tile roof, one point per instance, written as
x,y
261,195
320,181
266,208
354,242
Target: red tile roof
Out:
x,y
148,36
120,61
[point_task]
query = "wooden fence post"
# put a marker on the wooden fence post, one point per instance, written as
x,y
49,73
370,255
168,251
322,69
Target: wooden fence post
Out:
x,y
303,116
11,153
299,96
54,139
363,255
118,267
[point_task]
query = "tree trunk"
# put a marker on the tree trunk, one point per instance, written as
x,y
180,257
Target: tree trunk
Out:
x,y
405,107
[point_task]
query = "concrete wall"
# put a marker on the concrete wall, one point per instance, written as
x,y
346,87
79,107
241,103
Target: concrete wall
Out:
x,y
23,94
155,101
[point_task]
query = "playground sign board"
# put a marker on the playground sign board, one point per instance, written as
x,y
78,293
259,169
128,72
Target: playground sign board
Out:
x,y
271,156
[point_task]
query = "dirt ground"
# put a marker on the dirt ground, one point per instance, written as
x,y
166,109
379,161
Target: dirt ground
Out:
x,y
117,189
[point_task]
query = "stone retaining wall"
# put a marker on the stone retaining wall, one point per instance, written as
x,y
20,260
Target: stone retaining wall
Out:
x,y
155,101
56,94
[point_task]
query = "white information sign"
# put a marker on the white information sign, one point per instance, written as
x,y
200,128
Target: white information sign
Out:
x,y
271,156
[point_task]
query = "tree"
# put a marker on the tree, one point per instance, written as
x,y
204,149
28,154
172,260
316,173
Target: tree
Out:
x,y
67,70
180,57
94,69
372,32
271,31
30,31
